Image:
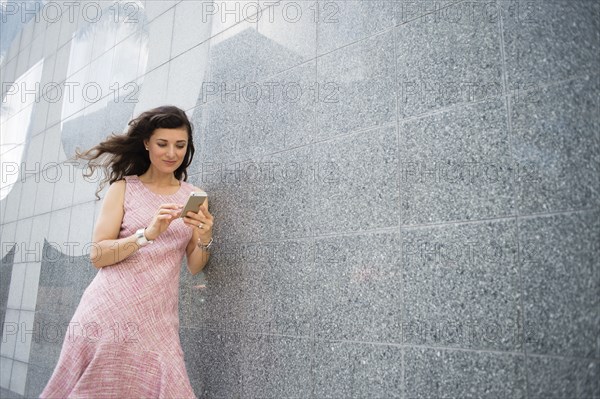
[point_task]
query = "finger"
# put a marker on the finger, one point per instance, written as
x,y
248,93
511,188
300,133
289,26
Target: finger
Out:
x,y
203,208
193,225
194,215
191,220
169,211
195,222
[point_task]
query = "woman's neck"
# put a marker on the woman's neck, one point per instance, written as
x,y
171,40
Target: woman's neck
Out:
x,y
158,179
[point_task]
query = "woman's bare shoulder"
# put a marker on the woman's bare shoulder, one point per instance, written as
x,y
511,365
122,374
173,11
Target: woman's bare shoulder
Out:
x,y
118,185
116,190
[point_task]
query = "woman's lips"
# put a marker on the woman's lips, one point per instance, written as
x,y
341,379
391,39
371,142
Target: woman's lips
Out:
x,y
170,162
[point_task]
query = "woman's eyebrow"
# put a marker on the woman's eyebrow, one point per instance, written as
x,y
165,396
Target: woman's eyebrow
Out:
x,y
178,141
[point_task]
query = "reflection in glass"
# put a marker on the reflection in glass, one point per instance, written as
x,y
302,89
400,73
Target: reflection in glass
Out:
x,y
106,58
14,18
15,118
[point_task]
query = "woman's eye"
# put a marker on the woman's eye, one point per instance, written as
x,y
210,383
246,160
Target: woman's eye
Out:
x,y
179,146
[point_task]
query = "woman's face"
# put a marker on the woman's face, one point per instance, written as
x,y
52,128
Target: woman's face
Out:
x,y
167,148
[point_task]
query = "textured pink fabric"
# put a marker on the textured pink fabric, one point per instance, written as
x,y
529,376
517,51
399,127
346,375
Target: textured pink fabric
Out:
x,y
123,340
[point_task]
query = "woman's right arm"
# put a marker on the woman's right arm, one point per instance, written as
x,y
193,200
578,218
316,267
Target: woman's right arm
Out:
x,y
106,248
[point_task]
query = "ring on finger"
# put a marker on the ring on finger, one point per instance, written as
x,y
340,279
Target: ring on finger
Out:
x,y
200,225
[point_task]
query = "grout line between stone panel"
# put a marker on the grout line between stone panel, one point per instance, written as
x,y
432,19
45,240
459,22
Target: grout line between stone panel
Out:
x,y
313,241
398,230
508,109
452,348
402,373
558,213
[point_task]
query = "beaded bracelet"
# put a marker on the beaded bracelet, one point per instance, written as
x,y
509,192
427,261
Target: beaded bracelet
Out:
x,y
205,247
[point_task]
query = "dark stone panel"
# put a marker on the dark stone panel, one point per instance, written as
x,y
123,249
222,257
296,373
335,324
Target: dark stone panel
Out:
x,y
356,87
229,122
440,373
213,361
262,198
275,366
456,165
285,110
461,286
357,294
37,378
449,56
348,370
556,146
6,394
343,22
357,182
549,41
558,378
233,59
259,287
235,121
6,266
561,282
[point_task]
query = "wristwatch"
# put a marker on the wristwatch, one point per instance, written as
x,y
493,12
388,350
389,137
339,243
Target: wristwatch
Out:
x,y
141,238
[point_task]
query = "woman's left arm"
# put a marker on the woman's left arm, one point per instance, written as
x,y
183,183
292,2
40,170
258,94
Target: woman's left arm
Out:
x,y
198,257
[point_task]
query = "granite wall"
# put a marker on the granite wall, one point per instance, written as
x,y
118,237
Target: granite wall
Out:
x,y
406,193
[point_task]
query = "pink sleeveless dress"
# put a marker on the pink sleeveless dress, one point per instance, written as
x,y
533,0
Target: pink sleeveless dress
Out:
x,y
123,340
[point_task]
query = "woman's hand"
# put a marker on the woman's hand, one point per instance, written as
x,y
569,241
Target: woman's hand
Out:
x,y
201,222
162,219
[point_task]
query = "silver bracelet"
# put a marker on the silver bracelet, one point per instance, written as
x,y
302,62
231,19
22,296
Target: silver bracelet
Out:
x,y
205,247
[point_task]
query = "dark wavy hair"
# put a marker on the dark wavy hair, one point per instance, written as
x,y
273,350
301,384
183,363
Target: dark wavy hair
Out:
x,y
125,154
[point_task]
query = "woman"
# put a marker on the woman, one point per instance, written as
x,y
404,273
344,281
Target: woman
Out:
x,y
123,340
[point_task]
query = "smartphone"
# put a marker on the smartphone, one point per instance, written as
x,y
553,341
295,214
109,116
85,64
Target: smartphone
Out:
x,y
194,201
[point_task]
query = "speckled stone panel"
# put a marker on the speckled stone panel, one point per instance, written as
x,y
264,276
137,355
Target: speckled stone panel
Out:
x,y
456,165
356,86
254,287
349,370
556,146
447,57
344,22
357,294
240,190
6,267
442,373
276,366
356,186
549,41
552,378
214,370
460,286
561,280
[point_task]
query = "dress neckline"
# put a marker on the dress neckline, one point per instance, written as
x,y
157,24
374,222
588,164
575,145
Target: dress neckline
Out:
x,y
162,195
